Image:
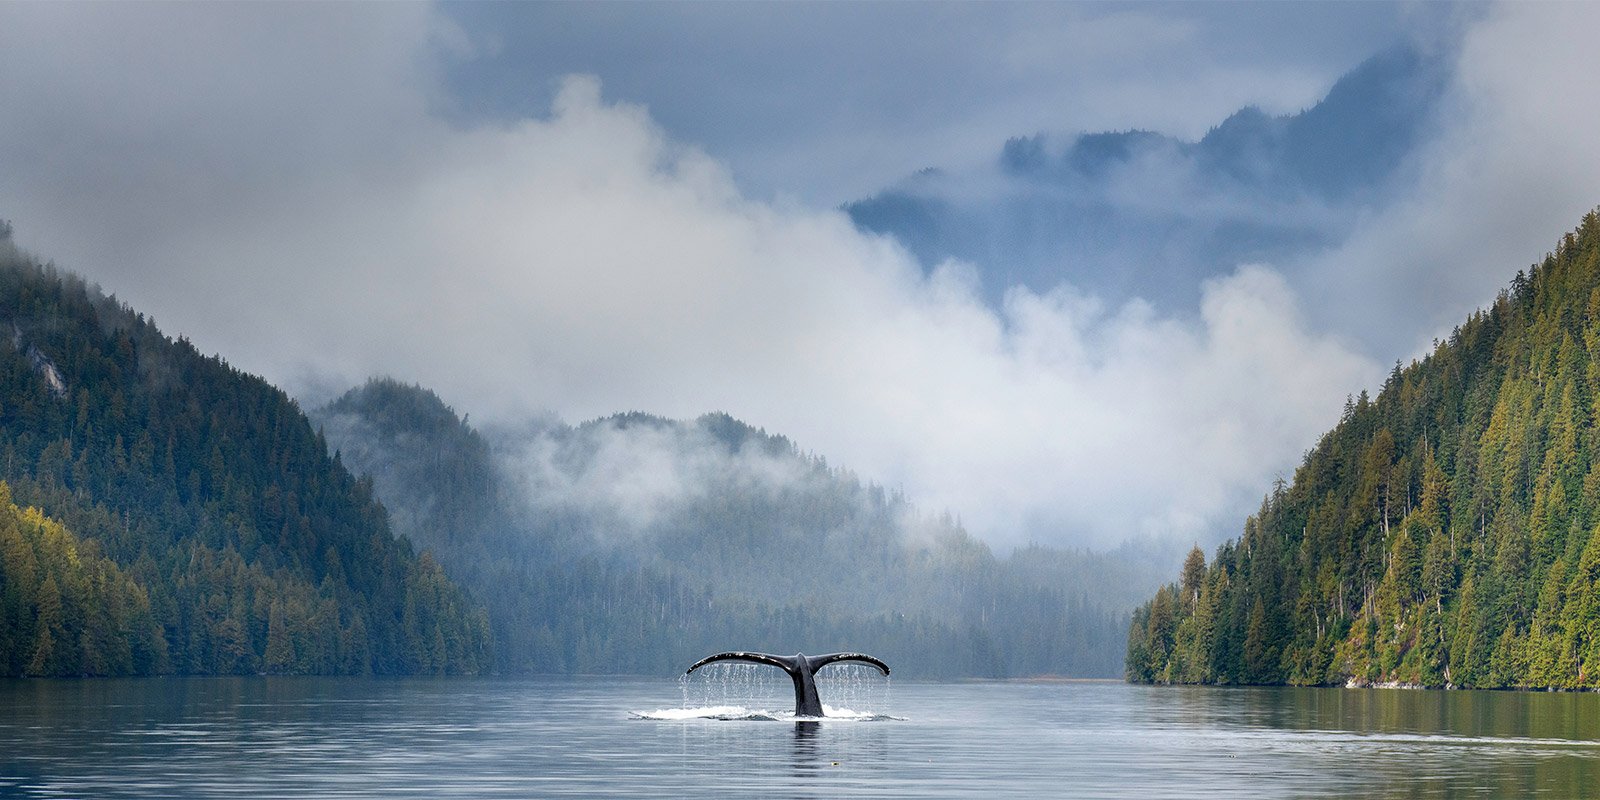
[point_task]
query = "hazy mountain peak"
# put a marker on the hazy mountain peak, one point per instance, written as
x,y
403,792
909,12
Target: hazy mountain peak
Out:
x,y
1140,213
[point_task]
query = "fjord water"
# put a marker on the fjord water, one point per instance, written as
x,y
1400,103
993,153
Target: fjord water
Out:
x,y
554,737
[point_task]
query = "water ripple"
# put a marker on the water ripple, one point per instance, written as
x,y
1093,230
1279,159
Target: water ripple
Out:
x,y
578,737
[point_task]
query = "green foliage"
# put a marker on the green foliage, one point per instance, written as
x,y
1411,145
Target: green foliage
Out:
x,y
66,609
255,549
1446,533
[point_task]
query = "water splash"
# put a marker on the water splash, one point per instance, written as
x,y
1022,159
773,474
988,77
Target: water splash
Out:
x,y
854,689
735,690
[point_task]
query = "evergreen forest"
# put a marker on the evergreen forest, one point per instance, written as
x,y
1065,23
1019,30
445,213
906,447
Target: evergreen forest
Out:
x,y
1444,534
165,512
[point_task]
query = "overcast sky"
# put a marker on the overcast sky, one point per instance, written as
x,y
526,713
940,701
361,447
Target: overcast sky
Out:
x,y
833,101
589,208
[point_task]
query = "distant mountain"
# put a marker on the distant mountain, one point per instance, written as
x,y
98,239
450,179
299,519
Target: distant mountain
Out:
x,y
1446,533
193,497
1138,213
635,543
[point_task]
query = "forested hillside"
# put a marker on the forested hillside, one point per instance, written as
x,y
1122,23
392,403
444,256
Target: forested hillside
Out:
x,y
201,500
638,544
66,609
1446,533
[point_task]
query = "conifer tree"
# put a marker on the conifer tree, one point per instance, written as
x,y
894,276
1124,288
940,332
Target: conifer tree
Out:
x,y
1446,532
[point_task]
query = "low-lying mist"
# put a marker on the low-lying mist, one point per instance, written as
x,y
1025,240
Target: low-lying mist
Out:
x,y
770,542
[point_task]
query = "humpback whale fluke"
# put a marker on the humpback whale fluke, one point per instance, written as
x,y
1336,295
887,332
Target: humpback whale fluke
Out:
x,y
802,670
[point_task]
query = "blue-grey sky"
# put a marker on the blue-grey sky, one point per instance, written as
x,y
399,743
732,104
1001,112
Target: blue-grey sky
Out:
x,y
832,101
589,208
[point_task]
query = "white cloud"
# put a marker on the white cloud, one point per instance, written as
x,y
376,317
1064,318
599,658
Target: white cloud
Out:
x,y
831,102
627,480
1516,168
283,195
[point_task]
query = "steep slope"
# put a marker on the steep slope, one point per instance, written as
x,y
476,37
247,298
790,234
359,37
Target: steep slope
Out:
x,y
210,489
636,543
1140,213
1446,533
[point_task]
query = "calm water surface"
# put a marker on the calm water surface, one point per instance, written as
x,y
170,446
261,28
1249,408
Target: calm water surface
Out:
x,y
555,737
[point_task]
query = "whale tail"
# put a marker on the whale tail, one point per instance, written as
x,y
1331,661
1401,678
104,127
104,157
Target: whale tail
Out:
x,y
802,670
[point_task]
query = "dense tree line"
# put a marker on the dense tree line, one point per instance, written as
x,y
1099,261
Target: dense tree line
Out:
x,y
1445,533
756,545
66,609
201,498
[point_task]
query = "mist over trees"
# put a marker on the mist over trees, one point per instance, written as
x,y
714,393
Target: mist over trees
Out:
x,y
638,544
1445,533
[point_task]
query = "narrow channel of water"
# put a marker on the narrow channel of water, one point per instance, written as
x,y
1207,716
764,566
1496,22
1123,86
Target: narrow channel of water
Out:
x,y
648,737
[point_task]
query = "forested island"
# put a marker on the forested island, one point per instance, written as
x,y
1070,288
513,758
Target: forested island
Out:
x,y
1444,534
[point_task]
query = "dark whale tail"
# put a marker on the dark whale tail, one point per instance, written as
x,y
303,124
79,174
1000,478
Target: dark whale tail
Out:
x,y
802,670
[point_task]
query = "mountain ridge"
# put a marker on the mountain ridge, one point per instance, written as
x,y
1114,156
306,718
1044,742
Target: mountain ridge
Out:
x,y
776,548
1140,213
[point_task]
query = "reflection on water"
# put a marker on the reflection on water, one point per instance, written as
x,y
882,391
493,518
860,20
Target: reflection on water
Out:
x,y
582,737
